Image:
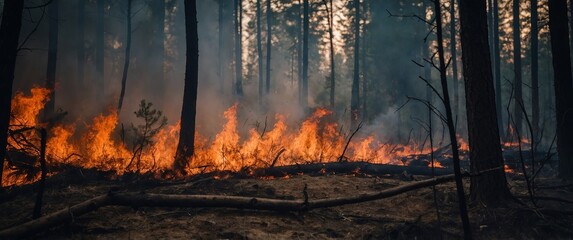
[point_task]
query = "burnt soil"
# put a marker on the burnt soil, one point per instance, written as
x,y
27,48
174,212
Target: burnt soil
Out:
x,y
411,215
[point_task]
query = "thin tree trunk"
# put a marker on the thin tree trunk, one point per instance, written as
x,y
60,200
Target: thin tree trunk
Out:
x,y
127,56
185,147
497,67
485,150
563,85
80,48
269,46
220,49
355,98
518,82
99,55
329,12
238,48
306,10
260,52
454,62
9,35
299,49
363,65
52,58
450,122
534,73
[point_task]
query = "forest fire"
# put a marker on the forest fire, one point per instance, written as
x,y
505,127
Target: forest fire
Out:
x,y
316,140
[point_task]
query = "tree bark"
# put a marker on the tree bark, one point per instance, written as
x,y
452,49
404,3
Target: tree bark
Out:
x,y
485,149
99,54
355,97
80,48
52,58
518,82
260,53
9,35
220,49
185,147
453,47
534,73
330,17
450,121
238,48
269,47
127,56
299,49
305,23
497,67
205,201
560,50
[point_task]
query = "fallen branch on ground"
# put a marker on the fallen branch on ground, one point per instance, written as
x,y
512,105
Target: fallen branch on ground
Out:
x,y
202,201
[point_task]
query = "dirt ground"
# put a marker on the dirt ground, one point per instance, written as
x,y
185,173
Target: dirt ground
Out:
x,y
407,216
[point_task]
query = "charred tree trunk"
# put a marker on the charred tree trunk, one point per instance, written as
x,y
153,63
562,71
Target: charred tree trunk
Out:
x,y
305,23
99,54
269,46
454,58
80,48
260,53
330,17
363,65
485,149
127,56
355,98
450,121
9,35
238,48
497,67
52,58
185,148
220,49
518,82
534,73
563,85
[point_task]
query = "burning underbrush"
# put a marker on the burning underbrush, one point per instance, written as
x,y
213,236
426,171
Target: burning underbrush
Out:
x,y
105,144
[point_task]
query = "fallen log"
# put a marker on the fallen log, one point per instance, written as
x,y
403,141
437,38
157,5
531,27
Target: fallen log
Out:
x,y
203,201
350,167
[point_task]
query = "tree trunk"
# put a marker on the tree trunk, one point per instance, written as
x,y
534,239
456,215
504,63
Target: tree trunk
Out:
x,y
563,86
485,149
299,49
534,74
517,83
330,17
185,148
260,53
9,35
355,98
450,121
269,46
454,58
238,48
127,56
80,48
99,54
52,58
363,65
497,67
220,49
304,95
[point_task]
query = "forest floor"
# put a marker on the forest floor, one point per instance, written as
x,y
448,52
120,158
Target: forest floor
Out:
x,y
411,215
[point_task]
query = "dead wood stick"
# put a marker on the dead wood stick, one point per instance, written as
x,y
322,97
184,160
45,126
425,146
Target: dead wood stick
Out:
x,y
348,142
349,167
202,201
